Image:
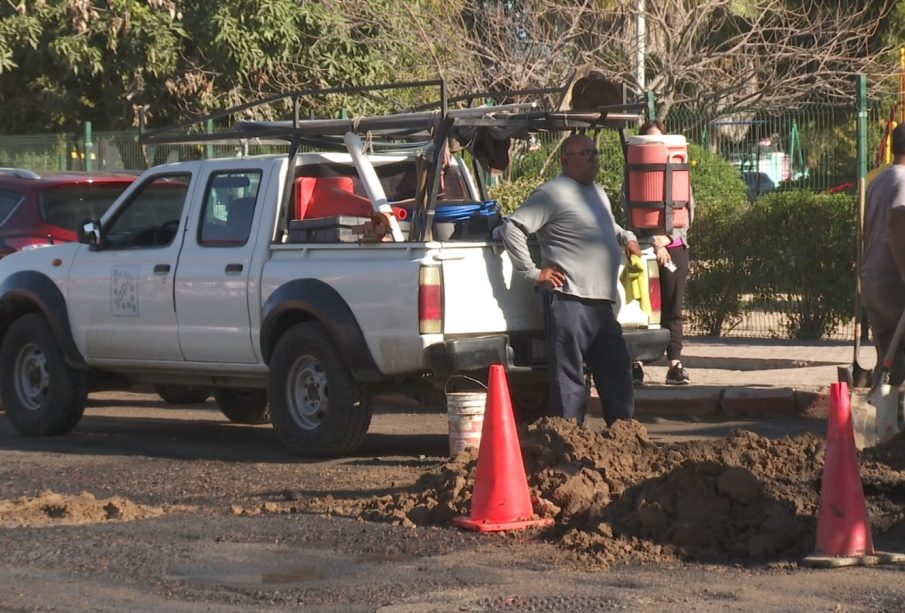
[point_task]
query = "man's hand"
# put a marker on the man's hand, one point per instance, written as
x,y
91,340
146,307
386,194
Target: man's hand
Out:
x,y
552,275
632,248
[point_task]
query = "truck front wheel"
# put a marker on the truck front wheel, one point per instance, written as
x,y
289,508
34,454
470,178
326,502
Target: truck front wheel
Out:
x,y
182,394
243,405
316,405
42,394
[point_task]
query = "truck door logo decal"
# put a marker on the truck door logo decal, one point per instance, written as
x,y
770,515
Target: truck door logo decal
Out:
x,y
124,291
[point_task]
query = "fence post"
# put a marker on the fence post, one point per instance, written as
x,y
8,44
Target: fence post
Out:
x,y
89,147
861,85
651,106
861,81
209,148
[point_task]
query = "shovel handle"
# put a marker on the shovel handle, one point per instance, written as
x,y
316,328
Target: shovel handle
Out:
x,y
895,346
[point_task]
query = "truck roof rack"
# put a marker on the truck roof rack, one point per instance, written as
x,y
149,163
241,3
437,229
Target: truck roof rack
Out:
x,y
485,130
418,126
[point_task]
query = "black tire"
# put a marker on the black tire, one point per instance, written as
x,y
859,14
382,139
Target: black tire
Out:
x,y
317,406
182,394
42,394
530,401
243,405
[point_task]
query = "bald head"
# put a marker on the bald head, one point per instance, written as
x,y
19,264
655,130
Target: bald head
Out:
x,y
580,158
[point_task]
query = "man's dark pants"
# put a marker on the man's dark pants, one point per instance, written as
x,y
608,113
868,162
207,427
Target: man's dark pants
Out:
x,y
579,331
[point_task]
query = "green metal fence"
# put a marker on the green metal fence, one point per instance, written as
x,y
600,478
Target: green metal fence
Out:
x,y
813,148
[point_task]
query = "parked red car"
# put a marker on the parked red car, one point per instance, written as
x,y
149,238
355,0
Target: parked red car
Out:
x,y
42,210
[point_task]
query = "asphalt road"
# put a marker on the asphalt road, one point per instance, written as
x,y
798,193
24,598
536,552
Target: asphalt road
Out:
x,y
218,546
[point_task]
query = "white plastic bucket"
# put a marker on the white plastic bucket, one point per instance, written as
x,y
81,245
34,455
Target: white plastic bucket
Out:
x,y
465,412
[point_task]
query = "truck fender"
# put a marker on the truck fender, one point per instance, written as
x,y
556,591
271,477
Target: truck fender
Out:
x,y
28,291
313,300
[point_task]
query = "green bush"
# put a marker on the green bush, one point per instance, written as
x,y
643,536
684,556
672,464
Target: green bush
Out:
x,y
535,167
793,251
719,244
805,265
512,194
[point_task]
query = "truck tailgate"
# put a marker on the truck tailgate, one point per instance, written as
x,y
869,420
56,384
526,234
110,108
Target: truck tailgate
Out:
x,y
482,293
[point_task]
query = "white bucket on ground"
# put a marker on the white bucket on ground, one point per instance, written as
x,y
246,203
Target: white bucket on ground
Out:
x,y
465,411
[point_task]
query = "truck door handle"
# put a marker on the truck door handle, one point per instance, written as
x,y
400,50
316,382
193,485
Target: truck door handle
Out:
x,y
161,269
233,268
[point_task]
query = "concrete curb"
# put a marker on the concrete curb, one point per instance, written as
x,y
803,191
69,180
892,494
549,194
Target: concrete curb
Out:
x,y
736,402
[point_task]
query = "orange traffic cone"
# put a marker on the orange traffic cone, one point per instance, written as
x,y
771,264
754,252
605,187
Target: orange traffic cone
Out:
x,y
501,500
843,529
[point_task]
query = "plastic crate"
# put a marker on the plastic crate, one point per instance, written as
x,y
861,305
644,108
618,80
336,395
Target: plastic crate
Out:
x,y
336,229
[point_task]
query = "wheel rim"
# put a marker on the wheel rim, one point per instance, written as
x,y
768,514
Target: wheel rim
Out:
x,y
308,392
32,379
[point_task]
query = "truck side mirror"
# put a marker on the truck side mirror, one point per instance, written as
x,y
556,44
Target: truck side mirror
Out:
x,y
90,233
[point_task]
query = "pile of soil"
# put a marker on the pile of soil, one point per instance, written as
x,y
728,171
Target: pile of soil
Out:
x,y
617,496
51,508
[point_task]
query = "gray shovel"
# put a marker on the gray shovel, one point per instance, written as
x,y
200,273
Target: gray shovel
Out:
x,y
885,397
854,374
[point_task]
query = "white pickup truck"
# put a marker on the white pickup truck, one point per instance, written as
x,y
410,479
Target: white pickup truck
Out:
x,y
249,276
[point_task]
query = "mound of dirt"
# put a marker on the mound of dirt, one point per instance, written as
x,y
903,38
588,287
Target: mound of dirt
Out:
x,y
60,509
616,495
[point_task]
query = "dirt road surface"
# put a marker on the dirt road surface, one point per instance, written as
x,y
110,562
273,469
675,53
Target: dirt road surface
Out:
x,y
152,507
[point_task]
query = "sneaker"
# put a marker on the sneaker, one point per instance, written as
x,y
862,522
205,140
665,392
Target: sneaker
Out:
x,y
637,375
677,375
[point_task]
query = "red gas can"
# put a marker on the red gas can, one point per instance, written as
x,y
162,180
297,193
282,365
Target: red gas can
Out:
x,y
658,182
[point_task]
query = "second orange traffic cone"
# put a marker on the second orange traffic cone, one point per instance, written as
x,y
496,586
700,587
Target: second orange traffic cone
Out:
x,y
843,528
501,499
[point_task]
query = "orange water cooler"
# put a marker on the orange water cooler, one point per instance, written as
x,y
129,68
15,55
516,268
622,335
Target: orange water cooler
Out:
x,y
658,183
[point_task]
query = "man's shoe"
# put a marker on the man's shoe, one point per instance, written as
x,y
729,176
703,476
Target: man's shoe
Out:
x,y
677,375
637,375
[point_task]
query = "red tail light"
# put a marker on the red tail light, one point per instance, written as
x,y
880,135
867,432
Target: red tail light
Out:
x,y
13,244
430,300
653,288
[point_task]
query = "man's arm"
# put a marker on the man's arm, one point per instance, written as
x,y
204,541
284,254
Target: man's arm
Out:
x,y
527,219
896,238
625,238
515,239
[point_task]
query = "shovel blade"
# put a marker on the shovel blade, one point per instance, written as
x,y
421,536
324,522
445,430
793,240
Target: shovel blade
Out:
x,y
854,375
861,377
864,420
885,399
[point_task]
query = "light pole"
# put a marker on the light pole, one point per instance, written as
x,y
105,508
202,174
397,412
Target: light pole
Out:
x,y
640,34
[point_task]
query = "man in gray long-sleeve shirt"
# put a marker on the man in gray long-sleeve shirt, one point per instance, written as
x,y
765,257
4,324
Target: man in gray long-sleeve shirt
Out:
x,y
580,255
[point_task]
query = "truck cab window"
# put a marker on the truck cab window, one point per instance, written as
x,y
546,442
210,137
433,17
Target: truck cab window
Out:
x,y
229,206
151,216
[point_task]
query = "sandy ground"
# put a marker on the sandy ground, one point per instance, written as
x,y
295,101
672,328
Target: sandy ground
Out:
x,y
152,507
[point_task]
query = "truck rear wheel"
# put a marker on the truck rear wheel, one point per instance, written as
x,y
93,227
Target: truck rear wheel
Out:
x,y
529,401
243,405
182,394
317,406
42,394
